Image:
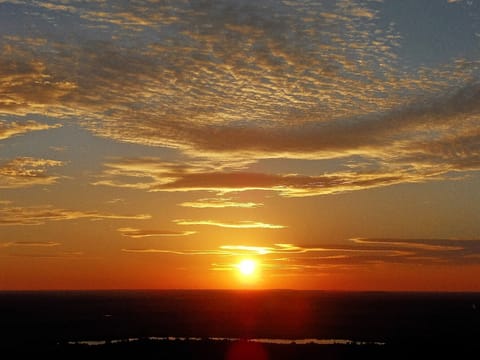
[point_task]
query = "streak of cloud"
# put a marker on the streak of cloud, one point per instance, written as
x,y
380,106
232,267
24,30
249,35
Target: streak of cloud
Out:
x,y
219,203
175,252
30,244
38,215
141,233
51,255
354,254
246,224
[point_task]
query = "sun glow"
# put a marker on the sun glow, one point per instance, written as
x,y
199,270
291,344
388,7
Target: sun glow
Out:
x,y
247,267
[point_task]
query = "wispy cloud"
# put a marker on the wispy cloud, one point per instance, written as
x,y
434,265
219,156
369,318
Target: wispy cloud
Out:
x,y
140,233
37,215
27,171
356,253
51,255
427,245
175,252
154,175
246,224
30,244
219,203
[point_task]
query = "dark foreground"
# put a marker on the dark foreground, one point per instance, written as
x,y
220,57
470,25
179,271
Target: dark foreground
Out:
x,y
409,325
244,350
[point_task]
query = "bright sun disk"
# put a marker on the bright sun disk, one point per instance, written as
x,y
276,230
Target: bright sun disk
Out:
x,y
247,267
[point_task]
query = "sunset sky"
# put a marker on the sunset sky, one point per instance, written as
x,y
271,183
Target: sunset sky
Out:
x,y
157,144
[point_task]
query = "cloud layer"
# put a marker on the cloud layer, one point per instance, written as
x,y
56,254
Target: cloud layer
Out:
x,y
231,80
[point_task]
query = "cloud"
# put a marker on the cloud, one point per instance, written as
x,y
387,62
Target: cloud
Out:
x,y
175,252
116,201
429,251
9,129
155,175
30,244
276,249
232,80
58,148
51,255
140,233
219,203
46,249
246,224
37,215
27,171
351,255
426,245
26,84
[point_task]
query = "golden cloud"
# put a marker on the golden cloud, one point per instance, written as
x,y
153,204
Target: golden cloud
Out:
x,y
219,203
9,129
27,171
246,224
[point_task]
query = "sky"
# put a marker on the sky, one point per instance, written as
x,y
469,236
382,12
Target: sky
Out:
x,y
158,144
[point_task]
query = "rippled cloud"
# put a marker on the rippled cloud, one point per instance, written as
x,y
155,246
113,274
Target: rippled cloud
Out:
x,y
246,81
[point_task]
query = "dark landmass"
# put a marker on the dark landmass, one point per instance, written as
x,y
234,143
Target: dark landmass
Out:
x,y
229,350
412,325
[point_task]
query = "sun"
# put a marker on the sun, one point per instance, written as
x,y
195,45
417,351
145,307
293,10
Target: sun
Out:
x,y
247,267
